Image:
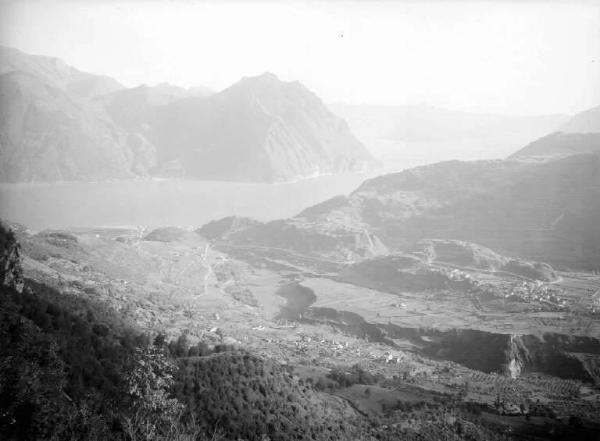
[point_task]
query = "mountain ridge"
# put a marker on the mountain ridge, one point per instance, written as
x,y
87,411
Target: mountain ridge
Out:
x,y
279,131
57,73
260,129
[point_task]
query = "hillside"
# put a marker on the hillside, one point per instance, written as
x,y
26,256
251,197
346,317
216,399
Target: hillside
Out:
x,y
239,337
587,121
51,129
248,396
72,367
581,134
559,145
48,135
544,211
75,366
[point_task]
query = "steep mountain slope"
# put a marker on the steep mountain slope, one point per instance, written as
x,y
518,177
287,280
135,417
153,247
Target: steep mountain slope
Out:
x,y
60,124
48,135
581,134
259,129
546,211
52,130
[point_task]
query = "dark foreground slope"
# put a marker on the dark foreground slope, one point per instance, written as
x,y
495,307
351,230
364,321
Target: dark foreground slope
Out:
x,y
349,355
72,368
248,396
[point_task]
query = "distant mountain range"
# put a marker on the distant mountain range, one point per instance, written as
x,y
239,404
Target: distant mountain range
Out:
x,y
542,203
411,135
60,124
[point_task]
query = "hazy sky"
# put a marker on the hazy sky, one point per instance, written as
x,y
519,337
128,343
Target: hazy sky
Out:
x,y
508,57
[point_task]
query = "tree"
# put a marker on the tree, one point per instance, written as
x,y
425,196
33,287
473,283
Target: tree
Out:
x,y
180,347
159,340
153,413
31,380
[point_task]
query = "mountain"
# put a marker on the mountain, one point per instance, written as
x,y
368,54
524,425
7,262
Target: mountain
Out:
x,y
132,108
51,128
581,134
259,129
46,134
411,135
543,211
60,124
57,74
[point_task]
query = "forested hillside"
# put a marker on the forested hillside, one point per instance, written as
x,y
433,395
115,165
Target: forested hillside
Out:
x,y
73,368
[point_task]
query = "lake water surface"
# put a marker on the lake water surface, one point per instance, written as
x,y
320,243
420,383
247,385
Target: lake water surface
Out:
x,y
163,202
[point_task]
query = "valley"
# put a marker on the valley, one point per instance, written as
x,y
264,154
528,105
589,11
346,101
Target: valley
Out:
x,y
458,300
512,348
396,236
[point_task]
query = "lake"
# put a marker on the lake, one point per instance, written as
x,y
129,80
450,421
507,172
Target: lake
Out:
x,y
163,202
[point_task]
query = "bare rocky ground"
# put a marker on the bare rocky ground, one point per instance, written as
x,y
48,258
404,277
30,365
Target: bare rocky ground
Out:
x,y
510,345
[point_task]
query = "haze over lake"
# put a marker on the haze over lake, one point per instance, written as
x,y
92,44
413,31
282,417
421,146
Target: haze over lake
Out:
x,y
163,201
